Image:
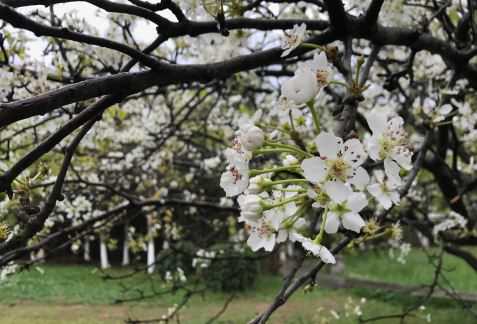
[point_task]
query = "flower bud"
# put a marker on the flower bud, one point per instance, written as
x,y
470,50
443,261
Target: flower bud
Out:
x,y
256,184
252,138
250,207
290,160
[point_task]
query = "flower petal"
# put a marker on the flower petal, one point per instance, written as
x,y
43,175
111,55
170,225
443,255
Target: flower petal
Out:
x,y
332,223
392,169
353,222
337,191
328,145
377,121
301,88
357,201
445,109
354,152
403,156
360,178
376,191
314,169
326,256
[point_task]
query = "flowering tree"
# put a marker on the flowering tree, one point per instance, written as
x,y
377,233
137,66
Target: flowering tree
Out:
x,y
340,122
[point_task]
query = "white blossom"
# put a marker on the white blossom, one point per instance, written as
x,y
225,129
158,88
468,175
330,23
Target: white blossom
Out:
x,y
250,208
235,179
338,161
384,191
389,143
344,209
293,38
316,249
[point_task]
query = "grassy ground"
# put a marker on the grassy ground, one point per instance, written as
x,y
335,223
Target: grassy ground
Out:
x,y
417,270
78,294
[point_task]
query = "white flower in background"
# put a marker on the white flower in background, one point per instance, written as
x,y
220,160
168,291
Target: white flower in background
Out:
x,y
316,249
7,270
251,137
203,259
235,179
436,114
212,163
250,208
301,88
384,191
293,38
345,208
455,220
338,161
389,143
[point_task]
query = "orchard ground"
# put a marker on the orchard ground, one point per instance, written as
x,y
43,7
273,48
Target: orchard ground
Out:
x,y
79,294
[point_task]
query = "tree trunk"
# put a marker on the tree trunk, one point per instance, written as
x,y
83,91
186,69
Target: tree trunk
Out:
x,y
126,259
104,254
86,251
151,253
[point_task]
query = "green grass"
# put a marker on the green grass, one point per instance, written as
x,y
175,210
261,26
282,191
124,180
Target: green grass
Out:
x,y
78,294
377,265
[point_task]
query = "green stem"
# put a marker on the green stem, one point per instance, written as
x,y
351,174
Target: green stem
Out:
x,y
314,46
254,172
288,147
285,201
273,150
339,83
314,115
319,237
285,181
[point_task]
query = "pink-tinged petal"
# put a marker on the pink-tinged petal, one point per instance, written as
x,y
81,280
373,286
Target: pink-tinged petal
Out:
x,y
328,145
357,201
360,178
354,152
392,169
337,191
377,121
332,223
352,222
233,185
314,169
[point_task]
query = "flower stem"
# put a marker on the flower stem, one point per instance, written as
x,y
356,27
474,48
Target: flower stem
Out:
x,y
339,83
319,237
296,149
277,169
314,115
315,46
285,201
285,181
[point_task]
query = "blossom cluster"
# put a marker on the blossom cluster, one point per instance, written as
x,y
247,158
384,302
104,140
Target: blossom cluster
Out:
x,y
325,173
